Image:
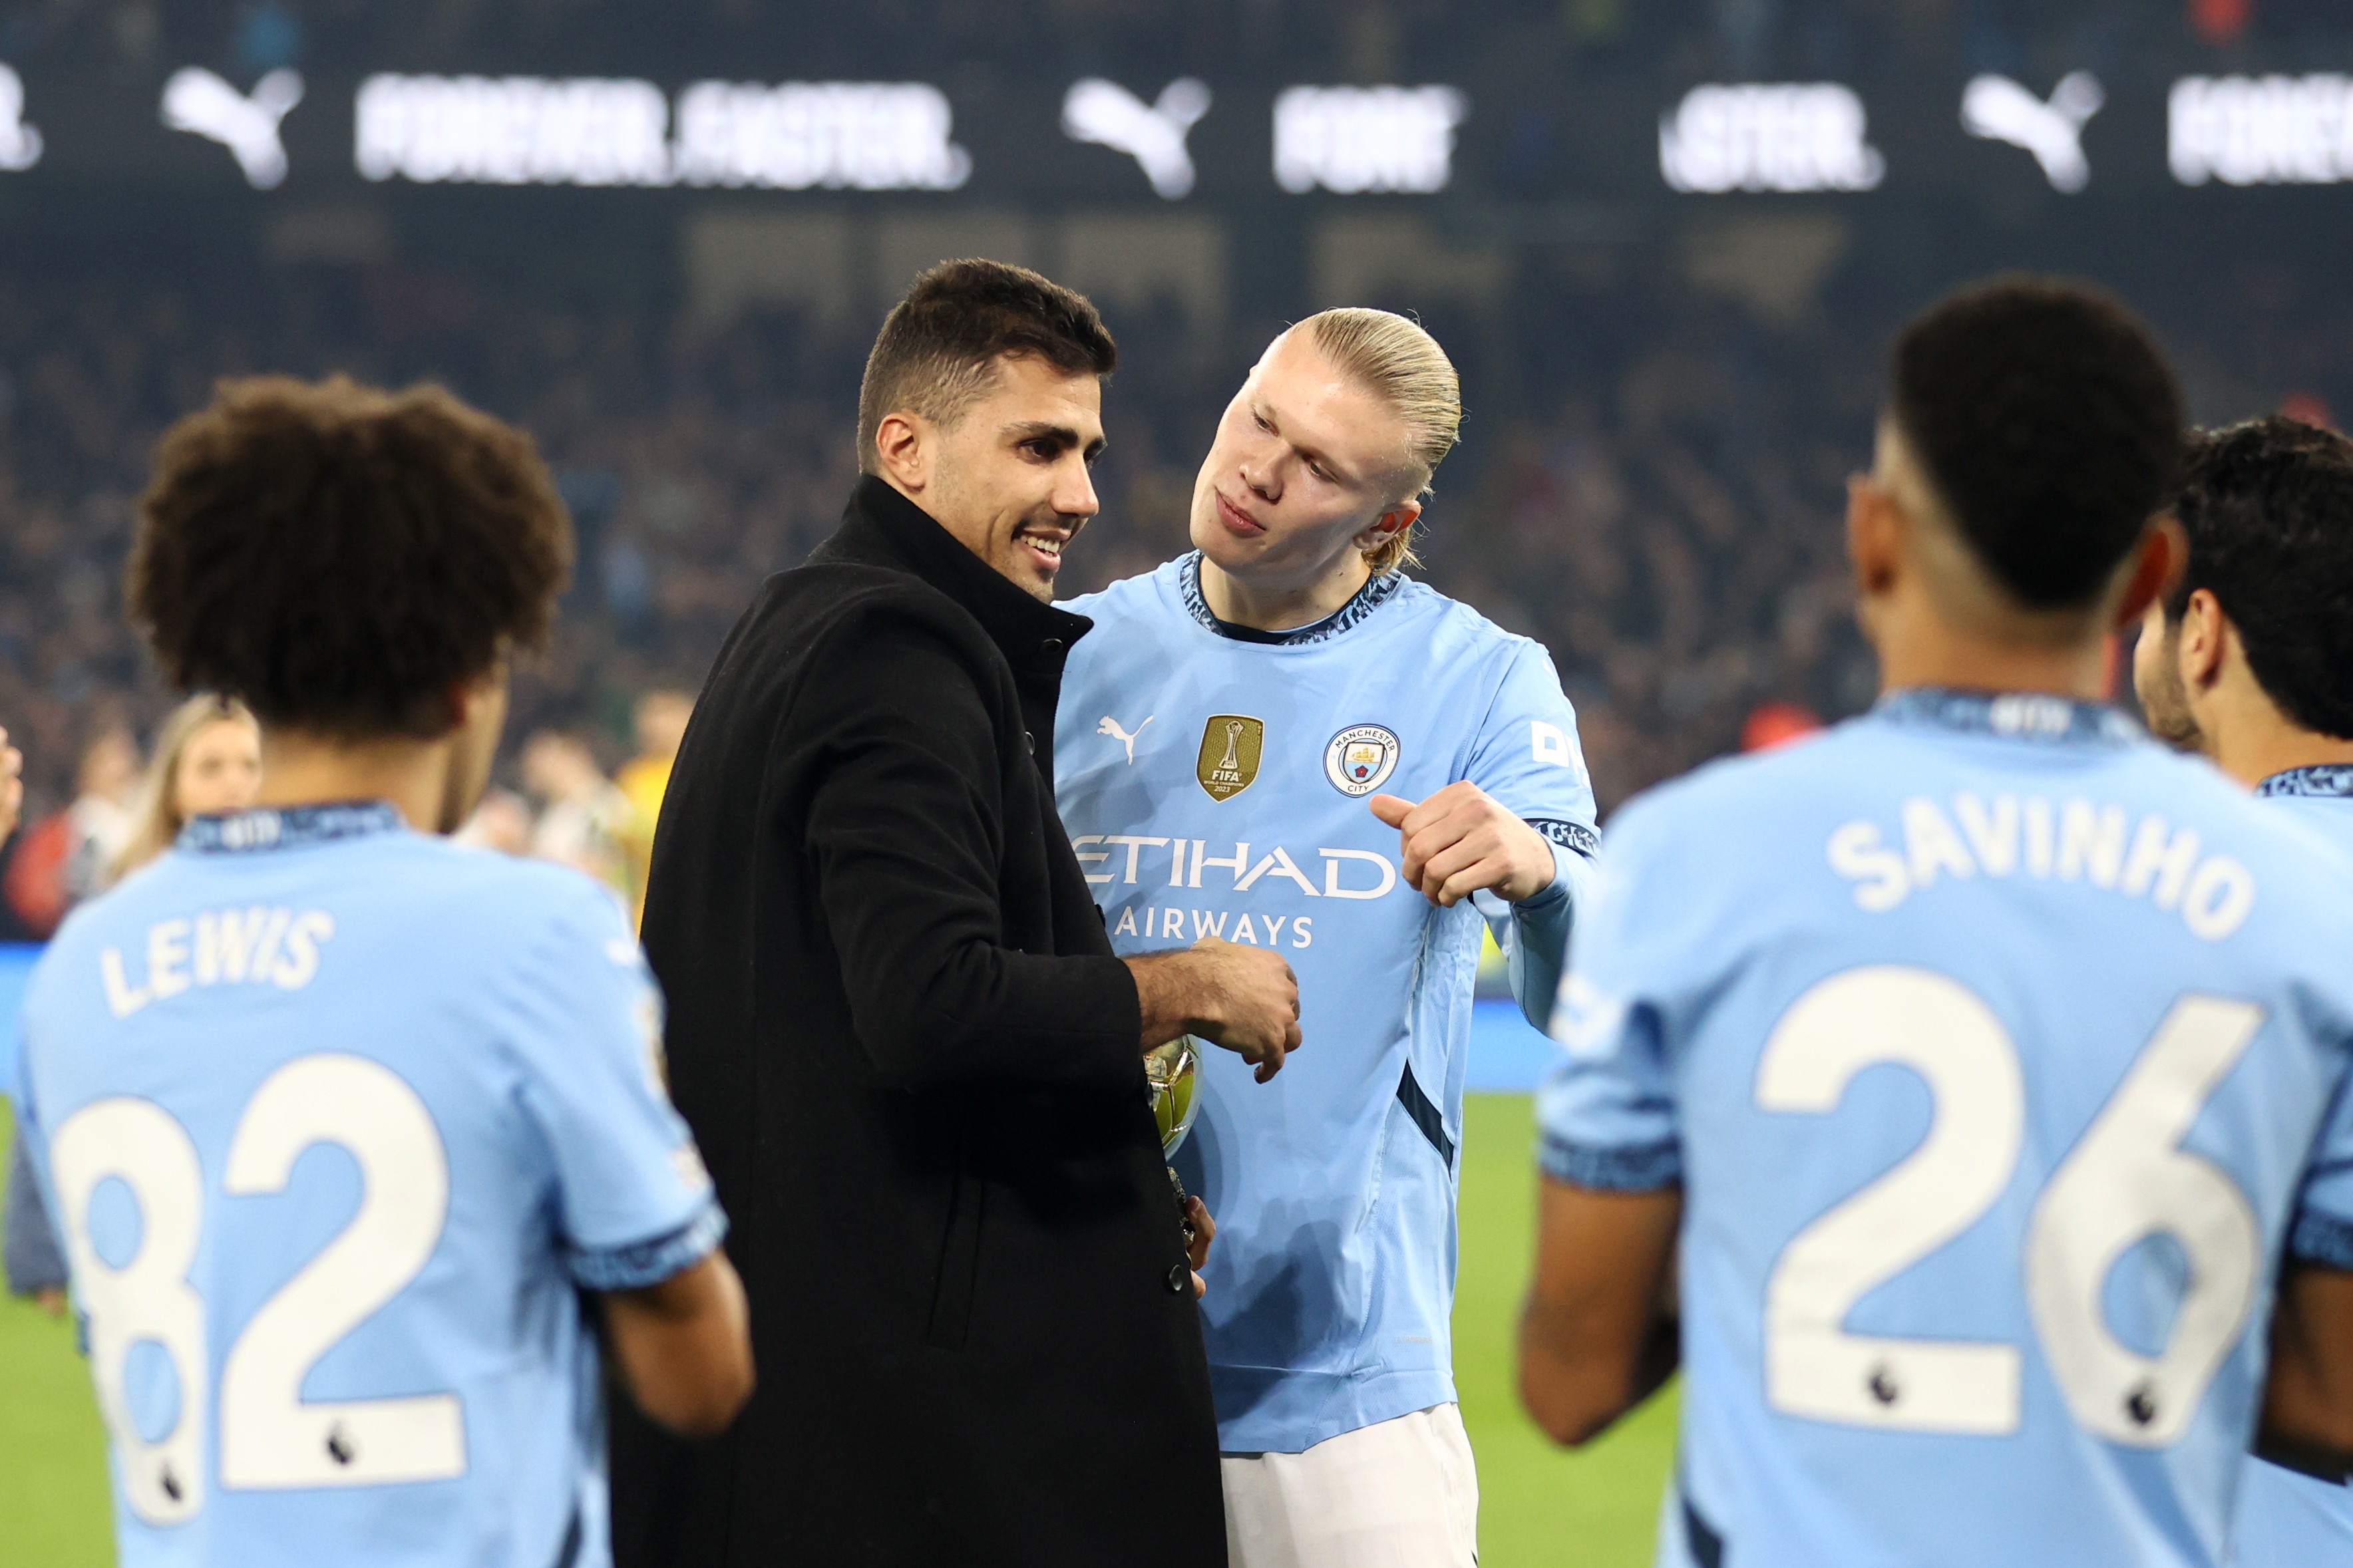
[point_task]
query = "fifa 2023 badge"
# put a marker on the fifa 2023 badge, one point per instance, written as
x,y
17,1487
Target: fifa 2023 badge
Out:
x,y
1231,745
1360,758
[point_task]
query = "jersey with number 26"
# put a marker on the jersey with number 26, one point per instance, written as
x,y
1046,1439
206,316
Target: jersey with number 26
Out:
x,y
333,1118
1989,1044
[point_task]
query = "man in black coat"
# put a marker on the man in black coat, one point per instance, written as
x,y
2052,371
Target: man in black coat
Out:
x,y
899,1030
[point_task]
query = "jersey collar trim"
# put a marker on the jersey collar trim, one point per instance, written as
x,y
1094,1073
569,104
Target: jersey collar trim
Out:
x,y
2013,715
288,826
1383,587
2332,781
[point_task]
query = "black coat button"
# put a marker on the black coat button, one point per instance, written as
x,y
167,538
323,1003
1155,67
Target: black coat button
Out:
x,y
1051,644
1180,1274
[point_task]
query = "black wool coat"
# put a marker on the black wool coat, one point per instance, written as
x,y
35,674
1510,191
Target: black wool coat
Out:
x,y
898,1030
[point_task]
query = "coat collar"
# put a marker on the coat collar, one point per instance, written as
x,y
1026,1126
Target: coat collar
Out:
x,y
881,527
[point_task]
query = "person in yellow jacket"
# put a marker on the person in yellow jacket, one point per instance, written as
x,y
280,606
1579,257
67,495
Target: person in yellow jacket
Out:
x,y
659,720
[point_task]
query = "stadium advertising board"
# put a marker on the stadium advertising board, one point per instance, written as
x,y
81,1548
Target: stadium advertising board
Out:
x,y
1674,103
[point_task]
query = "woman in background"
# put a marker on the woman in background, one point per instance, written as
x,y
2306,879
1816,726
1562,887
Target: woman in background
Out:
x,y
207,760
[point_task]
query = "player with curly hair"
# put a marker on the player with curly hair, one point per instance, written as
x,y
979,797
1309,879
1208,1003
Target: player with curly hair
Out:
x,y
339,1121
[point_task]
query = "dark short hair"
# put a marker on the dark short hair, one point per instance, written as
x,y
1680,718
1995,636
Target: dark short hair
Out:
x,y
343,558
939,346
2050,425
2268,506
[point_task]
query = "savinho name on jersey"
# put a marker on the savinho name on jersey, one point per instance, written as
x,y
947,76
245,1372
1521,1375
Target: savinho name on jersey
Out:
x,y
2076,841
259,946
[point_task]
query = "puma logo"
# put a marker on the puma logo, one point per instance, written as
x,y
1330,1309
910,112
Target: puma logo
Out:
x,y
1152,134
1110,726
1999,110
197,101
20,144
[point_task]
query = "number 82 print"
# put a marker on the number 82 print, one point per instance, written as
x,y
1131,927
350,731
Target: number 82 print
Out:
x,y
270,1436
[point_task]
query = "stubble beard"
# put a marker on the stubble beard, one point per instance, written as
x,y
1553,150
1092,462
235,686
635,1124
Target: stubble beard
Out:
x,y
2167,709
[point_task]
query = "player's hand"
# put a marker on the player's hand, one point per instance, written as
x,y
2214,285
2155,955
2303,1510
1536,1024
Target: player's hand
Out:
x,y
1205,1231
1243,998
51,1300
1252,1003
11,786
1461,840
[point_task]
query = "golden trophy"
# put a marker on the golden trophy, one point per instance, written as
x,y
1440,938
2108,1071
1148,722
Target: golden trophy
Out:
x,y
1171,1071
1176,1092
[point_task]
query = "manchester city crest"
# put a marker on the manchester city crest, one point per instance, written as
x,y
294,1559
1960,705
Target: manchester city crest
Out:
x,y
1360,759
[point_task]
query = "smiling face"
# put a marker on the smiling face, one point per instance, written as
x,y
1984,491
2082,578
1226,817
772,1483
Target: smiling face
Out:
x,y
1309,465
1011,478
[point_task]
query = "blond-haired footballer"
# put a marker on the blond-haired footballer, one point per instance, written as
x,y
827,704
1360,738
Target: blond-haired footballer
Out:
x,y
1281,740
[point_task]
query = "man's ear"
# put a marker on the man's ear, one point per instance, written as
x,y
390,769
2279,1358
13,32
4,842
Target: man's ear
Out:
x,y
1390,524
457,704
2156,565
904,446
1875,527
465,698
2205,637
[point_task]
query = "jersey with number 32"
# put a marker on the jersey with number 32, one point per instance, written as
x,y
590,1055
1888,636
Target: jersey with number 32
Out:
x,y
335,1118
1989,1044
2287,1519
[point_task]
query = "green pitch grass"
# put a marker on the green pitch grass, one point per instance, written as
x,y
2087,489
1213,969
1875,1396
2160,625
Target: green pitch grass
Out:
x,y
53,1503
1538,1508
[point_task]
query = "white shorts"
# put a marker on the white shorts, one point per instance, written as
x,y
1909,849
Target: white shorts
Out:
x,y
1397,1494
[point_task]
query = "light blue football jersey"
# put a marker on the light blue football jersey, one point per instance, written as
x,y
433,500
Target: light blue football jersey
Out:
x,y
1217,786
1990,1043
335,1117
2287,1519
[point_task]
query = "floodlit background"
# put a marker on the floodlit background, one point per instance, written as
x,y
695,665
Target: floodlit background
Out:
x,y
1666,243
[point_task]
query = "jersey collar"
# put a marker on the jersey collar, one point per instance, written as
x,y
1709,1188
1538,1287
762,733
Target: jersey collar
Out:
x,y
2332,781
1377,591
288,826
2013,715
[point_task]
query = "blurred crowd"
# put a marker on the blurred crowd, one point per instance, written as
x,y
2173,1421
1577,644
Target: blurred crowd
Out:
x,y
124,810
1650,483
1649,507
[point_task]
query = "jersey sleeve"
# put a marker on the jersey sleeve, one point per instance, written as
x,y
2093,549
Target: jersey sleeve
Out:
x,y
28,1245
1529,759
1607,1113
30,1254
1529,755
2321,1231
634,1203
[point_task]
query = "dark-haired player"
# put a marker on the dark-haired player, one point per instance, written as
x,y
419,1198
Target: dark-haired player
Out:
x,y
900,1028
1972,1053
2250,660
339,1119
